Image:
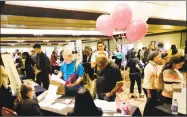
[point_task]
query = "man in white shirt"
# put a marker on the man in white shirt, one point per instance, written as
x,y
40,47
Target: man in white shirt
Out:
x,y
100,49
151,72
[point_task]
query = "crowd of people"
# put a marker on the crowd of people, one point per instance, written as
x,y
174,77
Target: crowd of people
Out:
x,y
162,72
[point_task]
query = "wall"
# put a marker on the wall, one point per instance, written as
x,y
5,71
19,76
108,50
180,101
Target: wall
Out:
x,y
167,39
183,39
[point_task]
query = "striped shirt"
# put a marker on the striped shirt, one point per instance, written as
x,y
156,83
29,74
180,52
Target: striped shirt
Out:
x,y
172,81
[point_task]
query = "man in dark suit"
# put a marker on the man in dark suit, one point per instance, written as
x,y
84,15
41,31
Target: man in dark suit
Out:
x,y
43,67
87,62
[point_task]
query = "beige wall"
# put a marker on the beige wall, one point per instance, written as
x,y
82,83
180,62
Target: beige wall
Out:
x,y
167,39
183,39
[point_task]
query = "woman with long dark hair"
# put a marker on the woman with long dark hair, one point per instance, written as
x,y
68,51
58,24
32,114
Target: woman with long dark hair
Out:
x,y
29,63
172,78
173,51
84,105
134,64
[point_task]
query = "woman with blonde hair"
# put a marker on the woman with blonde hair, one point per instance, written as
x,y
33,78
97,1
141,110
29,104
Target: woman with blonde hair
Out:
x,y
6,99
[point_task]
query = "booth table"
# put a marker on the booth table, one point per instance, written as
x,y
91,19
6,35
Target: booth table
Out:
x,y
165,110
48,111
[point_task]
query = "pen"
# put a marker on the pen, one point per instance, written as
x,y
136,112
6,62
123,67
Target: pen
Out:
x,y
53,103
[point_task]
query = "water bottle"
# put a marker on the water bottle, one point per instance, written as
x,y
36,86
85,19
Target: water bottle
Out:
x,y
123,112
174,107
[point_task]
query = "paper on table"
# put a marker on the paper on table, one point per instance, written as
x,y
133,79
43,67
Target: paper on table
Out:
x,y
67,101
118,114
109,107
106,106
45,103
106,114
41,96
71,105
58,106
56,78
51,93
99,103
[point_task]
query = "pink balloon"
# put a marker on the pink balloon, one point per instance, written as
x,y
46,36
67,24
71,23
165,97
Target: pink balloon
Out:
x,y
121,15
105,25
136,30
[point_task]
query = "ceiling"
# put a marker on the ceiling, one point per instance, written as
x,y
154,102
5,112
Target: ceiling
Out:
x,y
27,22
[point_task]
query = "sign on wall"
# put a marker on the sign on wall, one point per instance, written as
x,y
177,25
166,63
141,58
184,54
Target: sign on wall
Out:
x,y
10,67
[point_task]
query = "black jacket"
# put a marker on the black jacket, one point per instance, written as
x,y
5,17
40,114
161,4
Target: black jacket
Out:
x,y
28,107
132,64
29,62
43,64
87,66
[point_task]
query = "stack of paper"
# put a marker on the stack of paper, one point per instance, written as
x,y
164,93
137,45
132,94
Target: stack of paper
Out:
x,y
42,96
58,106
56,78
106,106
45,103
106,114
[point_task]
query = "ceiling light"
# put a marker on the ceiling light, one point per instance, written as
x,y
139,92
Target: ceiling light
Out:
x,y
12,44
20,41
52,32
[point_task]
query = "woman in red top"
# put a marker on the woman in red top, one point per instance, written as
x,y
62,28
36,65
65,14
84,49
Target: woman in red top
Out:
x,y
53,60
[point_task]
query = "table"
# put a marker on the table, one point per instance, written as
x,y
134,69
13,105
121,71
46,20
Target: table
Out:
x,y
39,90
165,110
135,111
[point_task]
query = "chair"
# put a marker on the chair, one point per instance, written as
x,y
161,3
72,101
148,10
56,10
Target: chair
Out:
x,y
8,112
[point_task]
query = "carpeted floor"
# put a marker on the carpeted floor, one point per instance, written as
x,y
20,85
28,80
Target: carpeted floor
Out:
x,y
125,95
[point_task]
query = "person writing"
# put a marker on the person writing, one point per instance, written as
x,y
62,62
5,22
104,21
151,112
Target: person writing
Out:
x,y
71,72
173,79
109,80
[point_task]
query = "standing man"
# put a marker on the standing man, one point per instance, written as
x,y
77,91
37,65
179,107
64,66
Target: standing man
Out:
x,y
33,56
109,80
87,62
43,67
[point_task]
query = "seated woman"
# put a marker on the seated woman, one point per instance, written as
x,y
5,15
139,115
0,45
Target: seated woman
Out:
x,y
172,78
25,104
84,105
